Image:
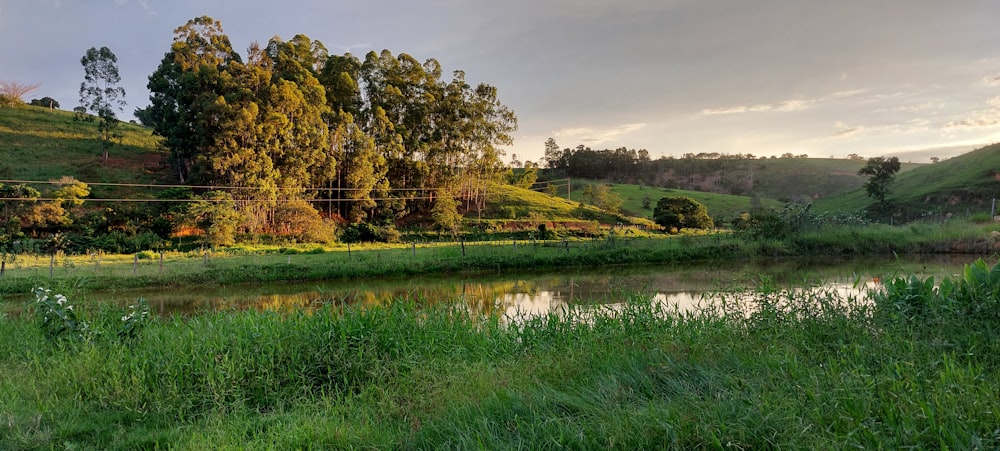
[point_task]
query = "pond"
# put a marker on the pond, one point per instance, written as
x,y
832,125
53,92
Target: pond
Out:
x,y
537,293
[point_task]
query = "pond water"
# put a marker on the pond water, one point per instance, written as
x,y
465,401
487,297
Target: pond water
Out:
x,y
552,291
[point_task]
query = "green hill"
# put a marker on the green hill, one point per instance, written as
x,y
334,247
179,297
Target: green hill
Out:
x,y
721,207
963,185
42,144
806,179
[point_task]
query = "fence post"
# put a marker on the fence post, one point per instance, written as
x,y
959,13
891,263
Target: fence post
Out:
x,y
161,261
52,264
414,247
463,247
135,263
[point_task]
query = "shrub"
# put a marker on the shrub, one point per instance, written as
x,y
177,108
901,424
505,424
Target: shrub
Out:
x,y
682,212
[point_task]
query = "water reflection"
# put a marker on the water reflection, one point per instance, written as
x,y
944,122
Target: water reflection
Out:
x,y
681,287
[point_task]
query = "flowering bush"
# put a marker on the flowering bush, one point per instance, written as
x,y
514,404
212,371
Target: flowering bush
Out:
x,y
134,320
58,318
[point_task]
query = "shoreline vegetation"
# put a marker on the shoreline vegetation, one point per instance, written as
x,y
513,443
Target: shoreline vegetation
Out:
x,y
914,365
272,264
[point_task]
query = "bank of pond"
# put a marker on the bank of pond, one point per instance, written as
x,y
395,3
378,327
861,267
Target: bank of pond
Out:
x,y
909,360
307,263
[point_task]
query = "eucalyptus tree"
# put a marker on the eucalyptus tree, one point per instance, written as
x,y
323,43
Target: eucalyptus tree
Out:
x,y
101,94
185,87
340,76
364,173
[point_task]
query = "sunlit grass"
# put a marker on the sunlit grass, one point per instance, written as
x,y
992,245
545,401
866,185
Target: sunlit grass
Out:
x,y
800,369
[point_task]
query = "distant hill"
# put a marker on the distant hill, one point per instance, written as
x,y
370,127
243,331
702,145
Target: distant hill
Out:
x,y
962,185
721,207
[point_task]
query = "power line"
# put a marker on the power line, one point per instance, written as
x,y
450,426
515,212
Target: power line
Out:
x,y
144,185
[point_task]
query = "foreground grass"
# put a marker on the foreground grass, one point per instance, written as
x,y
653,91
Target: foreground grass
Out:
x,y
268,265
772,369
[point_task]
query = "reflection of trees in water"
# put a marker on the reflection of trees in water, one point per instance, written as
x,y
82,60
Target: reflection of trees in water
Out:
x,y
491,294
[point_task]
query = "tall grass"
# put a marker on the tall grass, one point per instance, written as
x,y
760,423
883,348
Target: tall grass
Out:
x,y
775,368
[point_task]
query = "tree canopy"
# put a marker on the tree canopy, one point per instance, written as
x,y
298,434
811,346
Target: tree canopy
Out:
x,y
378,137
681,212
881,172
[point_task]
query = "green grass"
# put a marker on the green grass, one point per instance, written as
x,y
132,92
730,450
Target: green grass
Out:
x,y
804,179
512,204
41,144
776,368
721,207
959,186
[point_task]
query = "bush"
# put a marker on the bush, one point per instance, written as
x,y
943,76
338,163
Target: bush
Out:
x,y
682,212
369,233
303,222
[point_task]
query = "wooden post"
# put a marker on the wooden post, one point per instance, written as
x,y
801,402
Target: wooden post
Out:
x,y
204,258
52,264
135,263
348,249
566,243
414,246
161,261
463,247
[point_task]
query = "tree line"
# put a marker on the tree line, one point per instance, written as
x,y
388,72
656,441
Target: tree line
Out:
x,y
731,172
367,140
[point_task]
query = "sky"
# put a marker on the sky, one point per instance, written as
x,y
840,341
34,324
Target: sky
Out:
x,y
909,78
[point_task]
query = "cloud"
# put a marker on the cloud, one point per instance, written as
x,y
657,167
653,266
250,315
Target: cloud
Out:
x,y
992,80
843,130
984,118
912,108
596,136
846,131
784,105
142,3
781,106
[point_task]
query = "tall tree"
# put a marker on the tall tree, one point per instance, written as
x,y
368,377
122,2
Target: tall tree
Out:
x,y
553,156
189,80
100,93
881,172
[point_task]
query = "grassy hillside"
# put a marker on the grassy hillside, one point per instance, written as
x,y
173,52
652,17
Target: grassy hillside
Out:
x,y
963,185
721,207
519,204
804,179
42,144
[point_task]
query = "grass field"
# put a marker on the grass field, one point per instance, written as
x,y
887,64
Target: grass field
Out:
x,y
913,368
